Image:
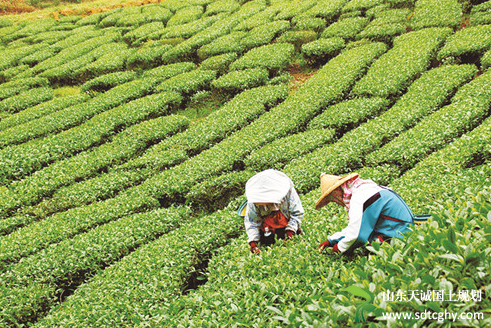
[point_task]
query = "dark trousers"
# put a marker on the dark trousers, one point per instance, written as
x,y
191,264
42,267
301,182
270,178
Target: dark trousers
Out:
x,y
270,240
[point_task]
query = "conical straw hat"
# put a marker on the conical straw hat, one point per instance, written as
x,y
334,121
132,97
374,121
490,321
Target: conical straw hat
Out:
x,y
329,183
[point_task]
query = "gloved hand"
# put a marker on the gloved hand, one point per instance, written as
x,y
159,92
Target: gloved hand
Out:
x,y
324,245
335,249
254,248
289,234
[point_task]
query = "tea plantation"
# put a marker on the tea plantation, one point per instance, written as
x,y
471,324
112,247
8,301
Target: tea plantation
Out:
x,y
127,137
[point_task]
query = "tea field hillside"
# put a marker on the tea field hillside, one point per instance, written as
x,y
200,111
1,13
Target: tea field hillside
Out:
x,y
127,136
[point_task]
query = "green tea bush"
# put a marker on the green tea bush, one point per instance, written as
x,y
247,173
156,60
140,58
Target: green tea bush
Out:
x,y
274,57
142,31
167,71
346,28
37,57
327,9
155,13
436,13
424,96
228,43
191,245
480,14
186,15
109,63
264,34
75,51
220,6
297,38
38,111
186,30
9,57
410,56
292,9
281,151
235,114
236,81
108,81
61,267
382,32
15,87
36,153
470,107
215,193
310,23
147,57
93,19
35,27
10,73
66,72
360,5
122,147
322,49
189,82
348,114
26,99
284,119
223,26
4,22
260,18
459,165
39,235
78,35
474,39
486,60
117,14
219,63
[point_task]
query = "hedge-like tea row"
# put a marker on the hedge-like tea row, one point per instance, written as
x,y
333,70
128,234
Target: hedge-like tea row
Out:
x,y
274,57
360,5
72,261
310,290
216,193
410,56
82,193
76,51
189,82
423,97
473,39
327,9
261,18
386,25
9,57
486,60
290,10
108,81
228,43
264,34
66,73
186,15
32,28
38,111
11,73
18,161
236,81
235,114
165,265
436,13
438,129
15,87
26,99
109,63
147,57
122,147
281,151
167,71
223,26
335,78
458,165
346,28
348,114
481,14
219,63
323,48
142,31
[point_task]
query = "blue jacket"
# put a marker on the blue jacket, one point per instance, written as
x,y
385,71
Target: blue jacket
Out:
x,y
374,211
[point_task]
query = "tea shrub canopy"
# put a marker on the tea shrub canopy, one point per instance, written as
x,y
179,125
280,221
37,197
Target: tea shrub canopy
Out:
x,y
127,138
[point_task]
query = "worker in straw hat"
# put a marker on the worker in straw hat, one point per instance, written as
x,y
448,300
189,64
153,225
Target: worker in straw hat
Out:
x,y
273,209
375,212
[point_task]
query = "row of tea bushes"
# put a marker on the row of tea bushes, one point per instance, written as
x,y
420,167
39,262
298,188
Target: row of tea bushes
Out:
x,y
424,96
468,41
436,13
469,107
32,286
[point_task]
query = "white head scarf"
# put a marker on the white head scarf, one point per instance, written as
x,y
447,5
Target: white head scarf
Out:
x,y
269,186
